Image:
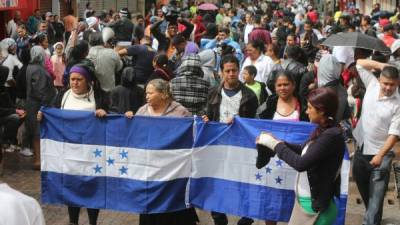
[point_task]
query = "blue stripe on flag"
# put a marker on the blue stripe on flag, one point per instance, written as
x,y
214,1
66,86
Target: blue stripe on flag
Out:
x,y
114,193
341,203
152,133
246,130
242,199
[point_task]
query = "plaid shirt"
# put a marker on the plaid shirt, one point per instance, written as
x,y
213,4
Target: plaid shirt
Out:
x,y
191,92
189,88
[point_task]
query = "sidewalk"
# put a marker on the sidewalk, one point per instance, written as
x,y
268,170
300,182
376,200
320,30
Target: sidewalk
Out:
x,y
18,174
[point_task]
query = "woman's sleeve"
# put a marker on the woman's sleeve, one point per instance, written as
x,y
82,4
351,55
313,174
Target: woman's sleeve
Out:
x,y
43,89
321,148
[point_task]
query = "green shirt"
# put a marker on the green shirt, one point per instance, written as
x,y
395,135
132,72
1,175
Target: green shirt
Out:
x,y
256,88
218,19
193,10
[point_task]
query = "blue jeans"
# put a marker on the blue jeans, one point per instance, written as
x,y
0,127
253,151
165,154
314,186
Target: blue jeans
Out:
x,y
372,182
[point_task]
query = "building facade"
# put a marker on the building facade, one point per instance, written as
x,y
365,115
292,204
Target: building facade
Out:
x,y
134,6
366,6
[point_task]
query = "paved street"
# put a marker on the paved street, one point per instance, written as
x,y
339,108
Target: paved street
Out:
x,y
18,174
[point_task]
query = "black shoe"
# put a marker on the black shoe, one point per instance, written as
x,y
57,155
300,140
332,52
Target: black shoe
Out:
x,y
245,220
264,154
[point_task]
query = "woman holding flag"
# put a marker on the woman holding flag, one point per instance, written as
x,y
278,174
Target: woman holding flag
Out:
x,y
317,161
160,103
84,93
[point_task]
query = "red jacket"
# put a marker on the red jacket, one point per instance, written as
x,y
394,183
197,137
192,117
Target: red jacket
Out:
x,y
388,39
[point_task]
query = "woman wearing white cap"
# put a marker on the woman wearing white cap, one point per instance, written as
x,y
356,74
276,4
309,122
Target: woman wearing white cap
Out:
x,y
58,61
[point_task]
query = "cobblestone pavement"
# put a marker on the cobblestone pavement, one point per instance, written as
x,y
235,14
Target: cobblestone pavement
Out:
x,y
19,175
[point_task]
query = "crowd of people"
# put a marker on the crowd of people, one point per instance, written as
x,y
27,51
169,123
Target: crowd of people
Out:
x,y
263,60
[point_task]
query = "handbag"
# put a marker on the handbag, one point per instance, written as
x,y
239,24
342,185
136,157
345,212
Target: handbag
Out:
x,y
299,215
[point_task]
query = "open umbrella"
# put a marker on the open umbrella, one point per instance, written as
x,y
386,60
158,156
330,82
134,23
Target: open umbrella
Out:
x,y
208,7
357,40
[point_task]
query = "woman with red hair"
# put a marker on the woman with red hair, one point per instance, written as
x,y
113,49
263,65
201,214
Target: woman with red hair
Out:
x,y
317,161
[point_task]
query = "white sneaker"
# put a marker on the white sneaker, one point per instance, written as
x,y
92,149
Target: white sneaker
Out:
x,y
15,147
26,152
8,148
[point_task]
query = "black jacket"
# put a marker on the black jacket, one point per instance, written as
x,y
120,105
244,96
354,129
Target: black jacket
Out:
x,y
321,161
21,82
163,41
127,96
248,103
268,109
264,93
6,105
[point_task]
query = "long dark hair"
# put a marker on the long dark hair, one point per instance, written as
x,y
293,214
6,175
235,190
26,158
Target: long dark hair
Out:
x,y
78,53
325,100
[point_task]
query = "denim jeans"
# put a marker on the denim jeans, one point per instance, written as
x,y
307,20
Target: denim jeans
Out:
x,y
372,182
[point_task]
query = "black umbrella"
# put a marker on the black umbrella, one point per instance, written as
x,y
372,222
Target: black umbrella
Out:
x,y
357,40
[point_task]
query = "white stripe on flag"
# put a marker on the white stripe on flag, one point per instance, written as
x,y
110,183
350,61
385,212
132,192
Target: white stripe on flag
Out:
x,y
238,164
344,174
131,163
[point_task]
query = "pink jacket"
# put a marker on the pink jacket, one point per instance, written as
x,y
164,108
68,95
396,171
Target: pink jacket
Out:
x,y
58,69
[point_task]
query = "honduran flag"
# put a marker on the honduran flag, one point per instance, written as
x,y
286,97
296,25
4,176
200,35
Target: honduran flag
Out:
x,y
139,165
224,177
155,164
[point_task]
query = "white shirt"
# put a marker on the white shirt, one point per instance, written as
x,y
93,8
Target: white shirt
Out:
x,y
10,62
12,29
303,187
247,29
380,116
264,66
229,106
72,101
17,208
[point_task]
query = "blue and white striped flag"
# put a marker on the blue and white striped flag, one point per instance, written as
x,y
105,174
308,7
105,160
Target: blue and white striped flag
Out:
x,y
225,179
156,164
140,165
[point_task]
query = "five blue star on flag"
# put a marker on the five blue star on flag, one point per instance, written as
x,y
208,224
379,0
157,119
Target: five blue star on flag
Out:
x,y
279,163
258,176
278,180
110,161
97,153
97,169
123,154
123,170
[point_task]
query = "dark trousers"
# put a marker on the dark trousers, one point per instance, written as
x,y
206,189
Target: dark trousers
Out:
x,y
8,128
372,184
12,92
73,213
222,219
